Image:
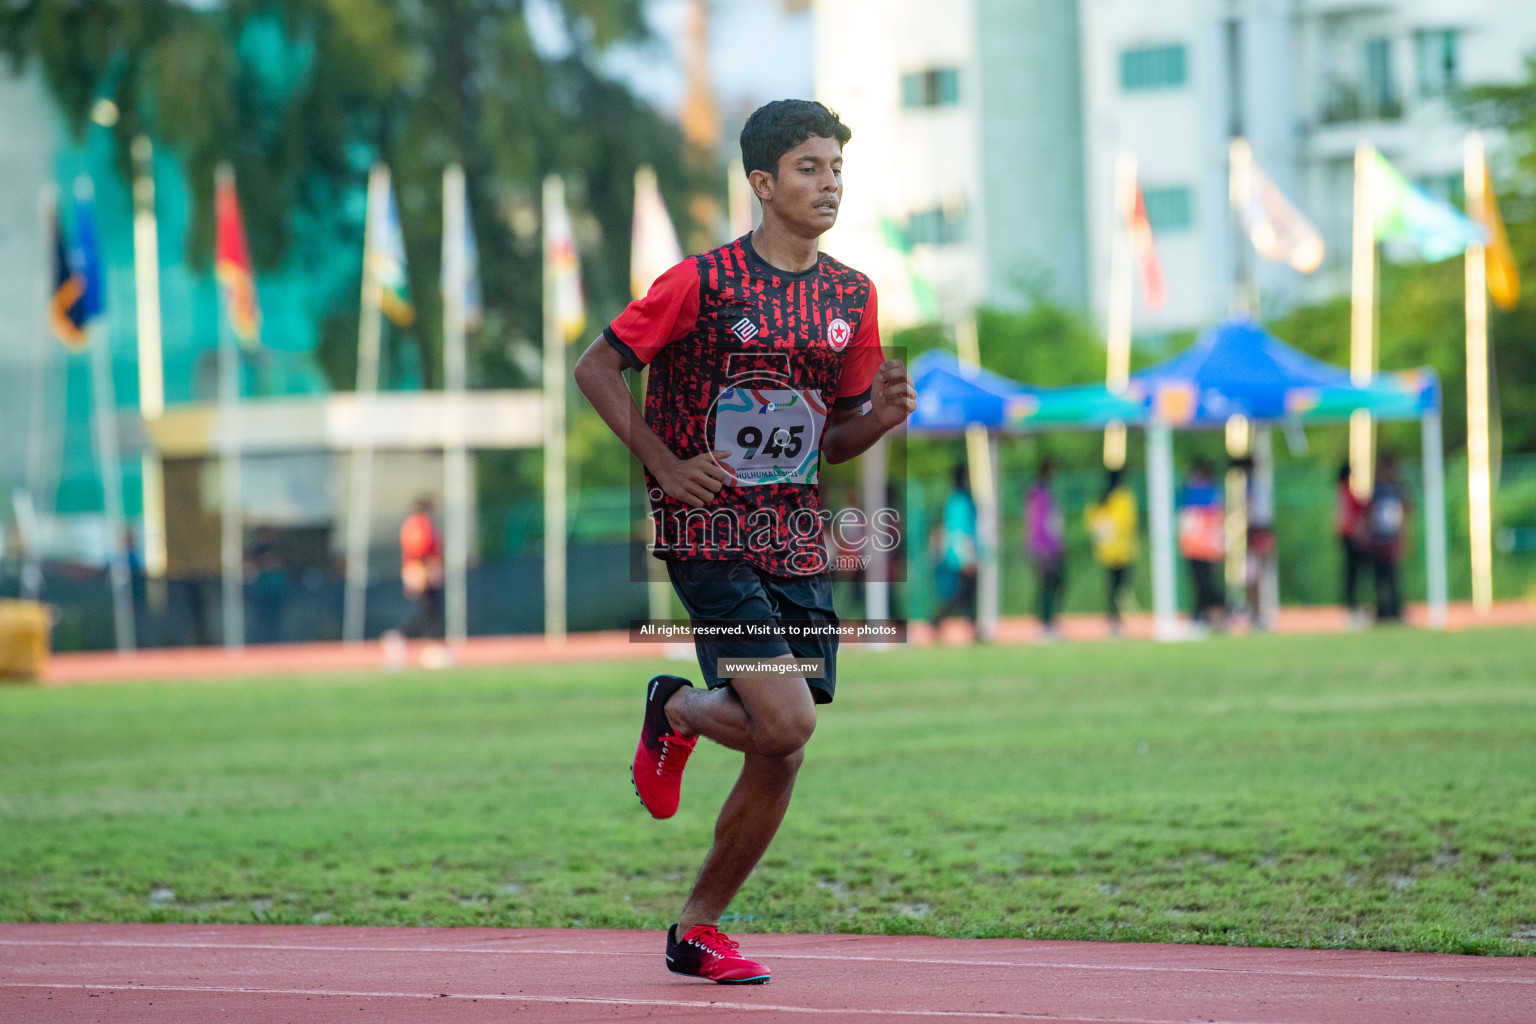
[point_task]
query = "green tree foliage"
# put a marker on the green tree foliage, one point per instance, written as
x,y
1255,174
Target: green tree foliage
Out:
x,y
302,96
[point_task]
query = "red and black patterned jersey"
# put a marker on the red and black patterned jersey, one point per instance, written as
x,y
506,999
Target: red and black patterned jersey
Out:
x,y
733,344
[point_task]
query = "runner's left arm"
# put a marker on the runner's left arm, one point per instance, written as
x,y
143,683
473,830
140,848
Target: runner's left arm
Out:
x,y
851,432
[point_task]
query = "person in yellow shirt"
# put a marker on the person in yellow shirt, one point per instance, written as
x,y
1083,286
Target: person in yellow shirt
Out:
x,y
1112,523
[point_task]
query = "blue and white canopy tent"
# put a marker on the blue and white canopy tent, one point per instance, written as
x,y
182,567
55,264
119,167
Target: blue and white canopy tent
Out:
x,y
1234,369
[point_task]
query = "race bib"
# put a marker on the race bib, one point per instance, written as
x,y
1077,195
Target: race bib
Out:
x,y
773,436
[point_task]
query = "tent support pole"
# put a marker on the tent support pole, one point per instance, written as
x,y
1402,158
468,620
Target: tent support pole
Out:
x,y
1160,524
1263,511
983,458
1434,518
877,587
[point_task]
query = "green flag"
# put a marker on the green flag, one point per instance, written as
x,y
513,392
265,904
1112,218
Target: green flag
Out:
x,y
1408,217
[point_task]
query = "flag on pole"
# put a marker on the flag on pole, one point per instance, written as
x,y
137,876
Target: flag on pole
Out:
x,y
654,248
387,264
1414,223
474,302
1503,271
232,261
87,252
66,306
1154,287
1279,232
561,262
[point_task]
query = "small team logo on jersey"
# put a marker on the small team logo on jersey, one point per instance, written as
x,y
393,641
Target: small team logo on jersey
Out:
x,y
838,334
744,329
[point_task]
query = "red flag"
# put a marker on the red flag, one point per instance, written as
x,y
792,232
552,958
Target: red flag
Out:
x,y
1154,289
232,262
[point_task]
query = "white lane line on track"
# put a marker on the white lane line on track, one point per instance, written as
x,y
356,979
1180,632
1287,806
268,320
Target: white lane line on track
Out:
x,y
938,961
674,1004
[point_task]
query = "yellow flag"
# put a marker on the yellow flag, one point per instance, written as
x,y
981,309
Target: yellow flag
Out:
x,y
1503,271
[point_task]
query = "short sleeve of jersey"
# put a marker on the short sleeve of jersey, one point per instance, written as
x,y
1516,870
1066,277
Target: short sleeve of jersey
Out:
x,y
863,359
669,311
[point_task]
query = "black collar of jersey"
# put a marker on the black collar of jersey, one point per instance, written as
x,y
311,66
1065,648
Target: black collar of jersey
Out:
x,y
788,275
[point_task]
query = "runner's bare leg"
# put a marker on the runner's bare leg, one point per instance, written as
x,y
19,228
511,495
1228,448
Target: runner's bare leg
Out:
x,y
770,721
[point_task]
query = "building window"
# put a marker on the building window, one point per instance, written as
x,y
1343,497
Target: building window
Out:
x,y
1435,53
1170,209
936,226
1380,84
1152,67
935,87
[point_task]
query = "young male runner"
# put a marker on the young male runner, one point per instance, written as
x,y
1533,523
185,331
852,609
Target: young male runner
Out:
x,y
764,358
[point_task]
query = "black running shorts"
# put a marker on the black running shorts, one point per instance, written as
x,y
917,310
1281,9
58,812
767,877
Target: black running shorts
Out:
x,y
733,591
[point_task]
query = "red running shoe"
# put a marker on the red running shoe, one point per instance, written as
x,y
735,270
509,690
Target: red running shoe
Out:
x,y
662,754
709,953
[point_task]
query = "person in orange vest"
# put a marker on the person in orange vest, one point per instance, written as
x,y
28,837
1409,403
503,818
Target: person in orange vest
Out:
x,y
1202,542
421,571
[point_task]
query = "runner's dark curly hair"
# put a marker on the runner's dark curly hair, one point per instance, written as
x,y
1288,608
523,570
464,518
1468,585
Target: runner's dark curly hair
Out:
x,y
778,127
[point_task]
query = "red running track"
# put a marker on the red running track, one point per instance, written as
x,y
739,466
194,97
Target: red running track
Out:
x,y
257,973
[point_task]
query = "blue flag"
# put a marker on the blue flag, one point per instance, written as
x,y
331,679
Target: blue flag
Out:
x,y
66,306
86,256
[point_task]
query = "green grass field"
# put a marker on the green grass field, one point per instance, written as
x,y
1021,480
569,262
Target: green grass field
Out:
x,y
1374,790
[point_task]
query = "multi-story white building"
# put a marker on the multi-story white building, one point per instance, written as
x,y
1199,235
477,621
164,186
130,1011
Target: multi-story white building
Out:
x,y
967,148
997,124
1304,81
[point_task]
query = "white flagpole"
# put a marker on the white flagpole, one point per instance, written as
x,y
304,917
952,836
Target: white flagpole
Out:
x,y
1118,330
37,449
1434,517
980,455
455,454
231,521
877,586
359,501
1362,327
1160,528
554,432
1479,469
109,456
146,276
1245,289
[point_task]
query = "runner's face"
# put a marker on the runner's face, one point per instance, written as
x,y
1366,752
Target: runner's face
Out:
x,y
809,186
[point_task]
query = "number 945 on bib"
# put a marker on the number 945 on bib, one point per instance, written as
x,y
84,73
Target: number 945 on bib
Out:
x,y
773,435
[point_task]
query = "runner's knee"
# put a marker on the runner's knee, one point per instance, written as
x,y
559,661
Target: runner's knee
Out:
x,y
785,735
782,769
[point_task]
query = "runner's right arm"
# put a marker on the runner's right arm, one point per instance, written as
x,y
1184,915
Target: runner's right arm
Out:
x,y
600,376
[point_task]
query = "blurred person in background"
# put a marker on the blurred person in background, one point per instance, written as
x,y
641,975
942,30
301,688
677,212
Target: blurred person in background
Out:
x,y
1112,523
1350,525
1202,542
958,552
1045,535
768,304
1261,555
269,587
1386,519
1259,550
421,572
